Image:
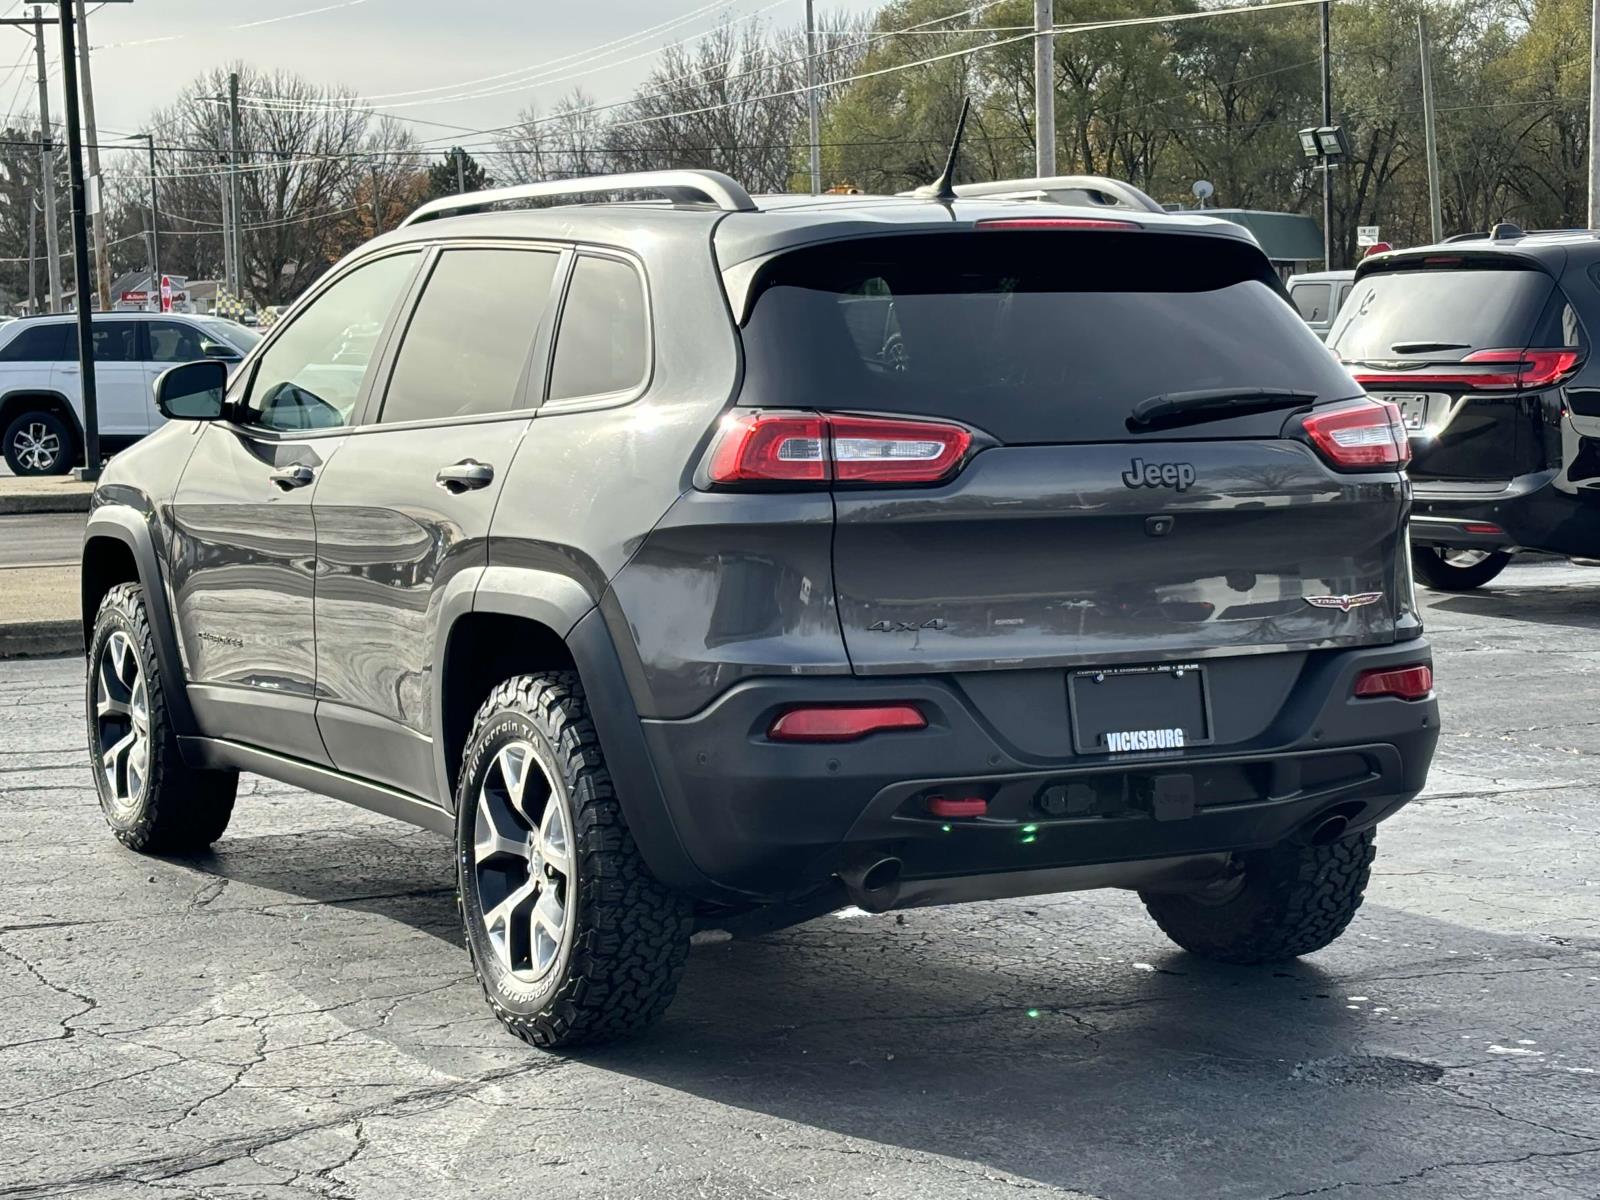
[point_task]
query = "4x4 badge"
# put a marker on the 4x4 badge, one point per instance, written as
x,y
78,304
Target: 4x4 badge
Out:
x,y
1345,603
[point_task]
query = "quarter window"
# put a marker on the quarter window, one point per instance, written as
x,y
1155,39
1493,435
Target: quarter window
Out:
x,y
603,342
311,375
38,343
468,343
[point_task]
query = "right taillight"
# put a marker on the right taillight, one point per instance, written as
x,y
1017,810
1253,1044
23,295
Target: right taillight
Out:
x,y
1408,683
1369,435
755,447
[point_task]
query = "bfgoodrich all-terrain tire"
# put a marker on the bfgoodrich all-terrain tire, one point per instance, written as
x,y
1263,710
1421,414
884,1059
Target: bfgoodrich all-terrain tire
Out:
x,y
1287,901
1447,570
151,798
571,936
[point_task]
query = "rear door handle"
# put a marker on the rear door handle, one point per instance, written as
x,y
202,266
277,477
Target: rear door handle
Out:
x,y
466,475
295,476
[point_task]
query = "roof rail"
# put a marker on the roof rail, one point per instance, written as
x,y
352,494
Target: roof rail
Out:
x,y
1478,236
1122,195
702,186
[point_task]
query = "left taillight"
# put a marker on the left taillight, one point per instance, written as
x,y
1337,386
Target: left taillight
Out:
x,y
1407,683
756,446
1368,435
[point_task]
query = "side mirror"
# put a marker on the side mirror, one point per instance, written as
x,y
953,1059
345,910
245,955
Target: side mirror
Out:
x,y
192,391
218,351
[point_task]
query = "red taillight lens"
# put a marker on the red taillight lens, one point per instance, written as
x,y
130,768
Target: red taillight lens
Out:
x,y
1017,224
1408,683
844,722
1367,435
1525,369
756,446
778,447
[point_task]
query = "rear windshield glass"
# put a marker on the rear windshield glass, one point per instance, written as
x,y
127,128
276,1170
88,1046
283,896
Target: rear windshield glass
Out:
x,y
1439,314
1032,336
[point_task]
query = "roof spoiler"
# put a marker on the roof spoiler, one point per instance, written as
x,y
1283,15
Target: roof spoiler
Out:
x,y
1093,190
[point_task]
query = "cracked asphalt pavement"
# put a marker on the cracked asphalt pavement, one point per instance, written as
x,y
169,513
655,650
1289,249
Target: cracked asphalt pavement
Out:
x,y
293,1015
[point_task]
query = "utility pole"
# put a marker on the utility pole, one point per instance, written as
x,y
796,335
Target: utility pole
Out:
x,y
1044,88
813,118
33,256
101,260
233,185
1594,120
461,170
1327,169
155,224
80,251
227,227
1435,212
47,167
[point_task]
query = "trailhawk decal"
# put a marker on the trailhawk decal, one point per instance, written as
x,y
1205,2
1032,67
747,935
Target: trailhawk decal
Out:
x,y
1123,740
1344,603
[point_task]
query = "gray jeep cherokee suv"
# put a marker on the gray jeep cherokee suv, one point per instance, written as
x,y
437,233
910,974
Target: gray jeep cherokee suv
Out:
x,y
691,560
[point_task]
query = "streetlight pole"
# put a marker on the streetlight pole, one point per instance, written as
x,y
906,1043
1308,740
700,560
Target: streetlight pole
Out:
x,y
813,118
102,260
1327,119
155,226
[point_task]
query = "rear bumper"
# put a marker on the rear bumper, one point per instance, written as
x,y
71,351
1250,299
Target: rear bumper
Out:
x,y
766,822
1540,511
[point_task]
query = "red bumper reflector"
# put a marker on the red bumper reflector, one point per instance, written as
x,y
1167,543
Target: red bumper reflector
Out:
x,y
1408,683
966,806
844,722
1484,527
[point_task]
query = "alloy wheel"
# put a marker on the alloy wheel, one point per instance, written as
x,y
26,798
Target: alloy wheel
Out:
x,y
36,446
523,863
122,722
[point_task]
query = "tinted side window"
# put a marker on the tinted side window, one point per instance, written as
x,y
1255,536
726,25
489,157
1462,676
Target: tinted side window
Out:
x,y
38,343
174,342
1312,300
116,341
468,342
311,375
603,343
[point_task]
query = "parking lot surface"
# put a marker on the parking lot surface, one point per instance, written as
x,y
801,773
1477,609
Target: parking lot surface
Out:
x,y
293,1015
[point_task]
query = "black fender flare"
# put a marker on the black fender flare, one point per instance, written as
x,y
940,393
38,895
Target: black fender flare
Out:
x,y
130,527
565,606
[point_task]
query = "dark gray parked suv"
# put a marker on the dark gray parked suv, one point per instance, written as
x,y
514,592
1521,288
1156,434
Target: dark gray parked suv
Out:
x,y
694,561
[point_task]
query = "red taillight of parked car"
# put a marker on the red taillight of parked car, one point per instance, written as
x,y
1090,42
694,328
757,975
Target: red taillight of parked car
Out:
x,y
843,722
1361,436
1485,371
1408,683
755,446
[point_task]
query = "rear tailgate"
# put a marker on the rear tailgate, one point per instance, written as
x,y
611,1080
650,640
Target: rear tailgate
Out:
x,y
1071,537
1445,336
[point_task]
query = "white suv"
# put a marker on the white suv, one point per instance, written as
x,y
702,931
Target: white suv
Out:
x,y
41,394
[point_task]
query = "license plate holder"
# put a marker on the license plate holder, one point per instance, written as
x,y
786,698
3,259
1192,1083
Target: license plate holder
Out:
x,y
1123,710
1413,411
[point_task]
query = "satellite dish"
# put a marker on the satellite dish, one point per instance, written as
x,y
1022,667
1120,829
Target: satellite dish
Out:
x,y
1203,190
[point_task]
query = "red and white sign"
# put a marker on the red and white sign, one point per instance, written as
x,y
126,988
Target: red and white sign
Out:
x,y
166,293
135,297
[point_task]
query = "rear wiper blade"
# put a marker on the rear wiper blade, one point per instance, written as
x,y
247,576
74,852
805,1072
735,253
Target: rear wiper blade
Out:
x,y
1426,347
1212,404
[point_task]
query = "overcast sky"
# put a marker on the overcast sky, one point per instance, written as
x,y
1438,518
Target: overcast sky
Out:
x,y
146,50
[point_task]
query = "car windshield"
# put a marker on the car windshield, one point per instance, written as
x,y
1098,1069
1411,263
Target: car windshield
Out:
x,y
234,334
1032,337
1439,313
